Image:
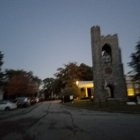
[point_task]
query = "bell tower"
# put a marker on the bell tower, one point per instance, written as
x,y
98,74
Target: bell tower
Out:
x,y
108,73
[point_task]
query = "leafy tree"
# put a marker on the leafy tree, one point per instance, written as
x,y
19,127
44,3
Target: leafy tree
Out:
x,y
1,59
135,62
68,75
57,86
9,73
1,73
48,86
71,91
37,81
20,83
86,72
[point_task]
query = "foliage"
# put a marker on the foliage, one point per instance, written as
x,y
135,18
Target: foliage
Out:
x,y
86,72
1,73
56,86
135,62
1,59
21,83
48,88
71,91
67,75
18,84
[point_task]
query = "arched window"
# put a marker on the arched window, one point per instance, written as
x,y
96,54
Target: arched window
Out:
x,y
106,54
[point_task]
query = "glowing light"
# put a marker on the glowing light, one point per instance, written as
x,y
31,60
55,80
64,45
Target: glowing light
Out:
x,y
77,83
130,92
92,97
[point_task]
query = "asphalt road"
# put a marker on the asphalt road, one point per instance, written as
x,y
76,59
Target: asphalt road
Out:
x,y
54,121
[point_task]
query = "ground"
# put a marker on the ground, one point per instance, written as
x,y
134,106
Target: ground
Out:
x,y
55,121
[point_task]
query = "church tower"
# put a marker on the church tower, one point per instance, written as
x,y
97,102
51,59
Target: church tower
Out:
x,y
108,73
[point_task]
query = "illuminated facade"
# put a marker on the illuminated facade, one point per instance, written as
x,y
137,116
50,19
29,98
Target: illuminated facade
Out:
x,y
87,87
133,88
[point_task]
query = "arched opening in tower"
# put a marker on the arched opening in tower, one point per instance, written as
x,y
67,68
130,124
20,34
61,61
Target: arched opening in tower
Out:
x,y
111,89
106,54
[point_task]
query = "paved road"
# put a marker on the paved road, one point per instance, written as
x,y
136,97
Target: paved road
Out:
x,y
53,121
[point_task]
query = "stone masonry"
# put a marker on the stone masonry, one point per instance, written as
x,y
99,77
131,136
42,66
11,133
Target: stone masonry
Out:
x,y
107,67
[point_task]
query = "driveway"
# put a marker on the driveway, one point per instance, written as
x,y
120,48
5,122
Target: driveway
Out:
x,y
54,121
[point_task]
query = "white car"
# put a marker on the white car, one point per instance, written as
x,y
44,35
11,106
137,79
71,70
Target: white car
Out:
x,y
7,105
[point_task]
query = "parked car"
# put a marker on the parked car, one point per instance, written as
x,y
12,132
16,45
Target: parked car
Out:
x,y
33,101
7,105
37,99
23,101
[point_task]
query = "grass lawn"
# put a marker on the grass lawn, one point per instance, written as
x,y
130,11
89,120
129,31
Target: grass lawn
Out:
x,y
111,107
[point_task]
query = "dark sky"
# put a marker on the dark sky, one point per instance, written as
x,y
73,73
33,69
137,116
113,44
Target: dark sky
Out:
x,y
42,35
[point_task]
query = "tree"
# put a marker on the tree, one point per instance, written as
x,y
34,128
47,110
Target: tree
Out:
x,y
86,72
48,88
71,91
18,85
1,74
35,81
1,60
21,83
135,62
68,75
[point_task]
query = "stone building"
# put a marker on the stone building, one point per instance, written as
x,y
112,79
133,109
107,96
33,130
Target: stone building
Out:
x,y
108,74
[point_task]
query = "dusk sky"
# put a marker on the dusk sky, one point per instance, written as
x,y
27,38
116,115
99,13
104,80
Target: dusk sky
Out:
x,y
42,35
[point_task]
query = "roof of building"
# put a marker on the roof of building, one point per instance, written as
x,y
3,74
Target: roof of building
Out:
x,y
82,84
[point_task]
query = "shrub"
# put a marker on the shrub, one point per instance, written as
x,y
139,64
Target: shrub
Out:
x,y
71,91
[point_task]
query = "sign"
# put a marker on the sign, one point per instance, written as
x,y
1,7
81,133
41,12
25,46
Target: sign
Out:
x,y
71,97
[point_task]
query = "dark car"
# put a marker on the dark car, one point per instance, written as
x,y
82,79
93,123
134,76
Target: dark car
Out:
x,y
32,100
23,101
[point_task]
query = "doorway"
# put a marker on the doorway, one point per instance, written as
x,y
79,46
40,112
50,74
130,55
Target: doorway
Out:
x,y
111,91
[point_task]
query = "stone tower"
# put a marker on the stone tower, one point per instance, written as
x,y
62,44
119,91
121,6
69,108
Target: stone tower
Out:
x,y
108,74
